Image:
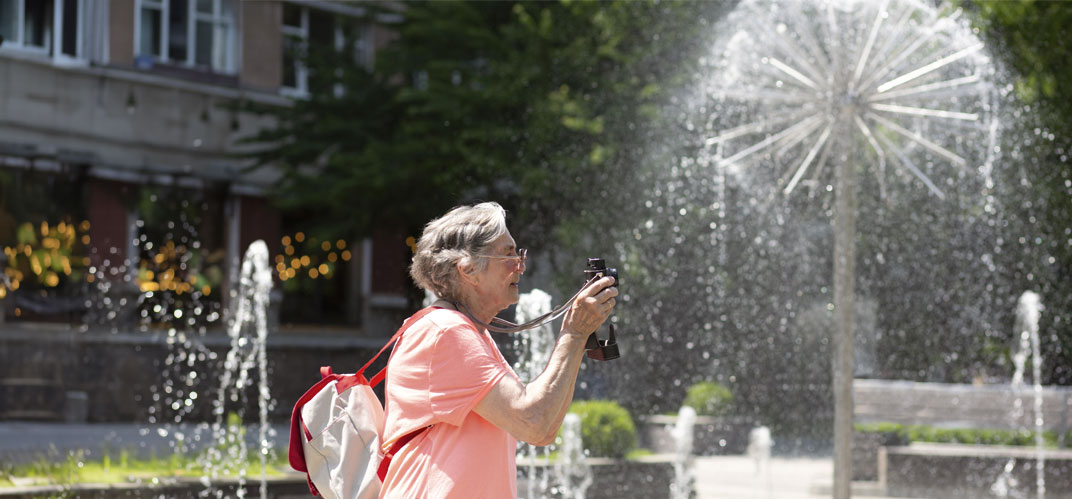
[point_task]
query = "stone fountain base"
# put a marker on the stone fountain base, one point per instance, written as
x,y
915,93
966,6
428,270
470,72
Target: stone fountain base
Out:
x,y
712,436
649,476
287,487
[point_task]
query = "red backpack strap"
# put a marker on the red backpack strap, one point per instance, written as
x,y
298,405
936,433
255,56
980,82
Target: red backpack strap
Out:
x,y
297,454
398,334
390,454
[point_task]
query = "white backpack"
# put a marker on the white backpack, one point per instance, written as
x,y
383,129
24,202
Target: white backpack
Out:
x,y
336,429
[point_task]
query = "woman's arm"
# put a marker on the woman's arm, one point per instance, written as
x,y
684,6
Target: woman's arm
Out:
x,y
532,413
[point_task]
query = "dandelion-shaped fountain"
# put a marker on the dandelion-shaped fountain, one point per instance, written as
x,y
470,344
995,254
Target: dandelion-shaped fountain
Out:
x,y
800,85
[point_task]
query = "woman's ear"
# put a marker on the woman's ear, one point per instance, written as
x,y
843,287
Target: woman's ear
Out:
x,y
466,270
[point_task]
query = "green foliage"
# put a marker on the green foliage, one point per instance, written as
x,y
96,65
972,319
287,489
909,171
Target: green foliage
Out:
x,y
1032,38
528,103
897,434
607,430
709,398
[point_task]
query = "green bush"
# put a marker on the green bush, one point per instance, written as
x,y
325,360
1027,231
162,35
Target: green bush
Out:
x,y
892,433
709,398
896,434
607,430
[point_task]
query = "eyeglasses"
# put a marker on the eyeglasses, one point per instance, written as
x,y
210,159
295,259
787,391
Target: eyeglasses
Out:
x,y
519,259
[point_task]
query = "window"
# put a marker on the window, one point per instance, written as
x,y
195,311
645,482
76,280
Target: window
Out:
x,y
180,258
47,27
44,242
304,27
295,36
195,33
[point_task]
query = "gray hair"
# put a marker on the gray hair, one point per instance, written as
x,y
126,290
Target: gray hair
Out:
x,y
461,234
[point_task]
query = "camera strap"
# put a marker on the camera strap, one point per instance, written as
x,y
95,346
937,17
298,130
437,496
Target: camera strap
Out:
x,y
504,326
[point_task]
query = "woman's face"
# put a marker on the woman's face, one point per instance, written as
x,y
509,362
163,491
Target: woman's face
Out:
x,y
496,285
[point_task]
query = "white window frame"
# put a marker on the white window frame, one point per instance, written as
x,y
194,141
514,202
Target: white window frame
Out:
x,y
216,19
58,57
53,47
19,43
362,46
301,73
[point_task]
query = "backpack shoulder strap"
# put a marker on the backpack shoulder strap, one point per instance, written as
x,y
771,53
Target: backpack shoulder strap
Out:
x,y
297,454
385,464
398,334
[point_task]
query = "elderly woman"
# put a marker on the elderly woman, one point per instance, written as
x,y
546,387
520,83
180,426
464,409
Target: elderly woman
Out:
x,y
447,375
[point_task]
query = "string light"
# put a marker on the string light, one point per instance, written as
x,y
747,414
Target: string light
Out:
x,y
314,258
46,252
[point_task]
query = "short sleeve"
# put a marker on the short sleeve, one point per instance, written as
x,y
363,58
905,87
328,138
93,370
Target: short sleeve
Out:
x,y
463,369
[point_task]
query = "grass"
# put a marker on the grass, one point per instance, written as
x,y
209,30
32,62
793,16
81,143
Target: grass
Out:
x,y
638,453
74,468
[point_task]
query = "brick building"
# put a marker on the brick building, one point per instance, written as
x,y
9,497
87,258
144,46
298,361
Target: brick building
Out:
x,y
118,131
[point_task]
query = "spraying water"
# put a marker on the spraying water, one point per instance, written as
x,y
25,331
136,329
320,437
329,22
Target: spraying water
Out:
x,y
1028,312
759,449
802,94
572,472
534,347
681,488
246,363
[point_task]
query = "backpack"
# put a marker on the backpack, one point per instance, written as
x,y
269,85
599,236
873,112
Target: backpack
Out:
x,y
336,429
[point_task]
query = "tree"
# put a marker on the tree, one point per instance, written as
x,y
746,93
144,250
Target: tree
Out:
x,y
1031,39
541,106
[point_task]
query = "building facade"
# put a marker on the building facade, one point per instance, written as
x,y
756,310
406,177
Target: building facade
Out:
x,y
122,182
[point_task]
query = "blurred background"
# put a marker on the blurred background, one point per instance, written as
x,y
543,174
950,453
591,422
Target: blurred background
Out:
x,y
145,144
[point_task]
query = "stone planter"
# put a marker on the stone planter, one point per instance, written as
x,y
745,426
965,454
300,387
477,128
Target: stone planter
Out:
x,y
711,436
958,471
865,451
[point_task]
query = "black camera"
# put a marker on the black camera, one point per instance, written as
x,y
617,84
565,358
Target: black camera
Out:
x,y
596,268
594,347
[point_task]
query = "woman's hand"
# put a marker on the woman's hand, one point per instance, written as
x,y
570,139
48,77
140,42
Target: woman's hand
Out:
x,y
591,308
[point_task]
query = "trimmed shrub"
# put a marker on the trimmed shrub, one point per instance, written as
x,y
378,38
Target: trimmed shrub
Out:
x,y
896,434
892,433
709,398
607,430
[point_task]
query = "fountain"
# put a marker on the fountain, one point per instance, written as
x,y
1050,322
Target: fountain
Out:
x,y
573,476
759,449
190,373
534,348
918,73
684,428
246,358
811,119
1028,311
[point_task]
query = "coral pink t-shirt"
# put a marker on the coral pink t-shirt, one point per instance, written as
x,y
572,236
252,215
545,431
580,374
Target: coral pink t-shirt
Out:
x,y
440,369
